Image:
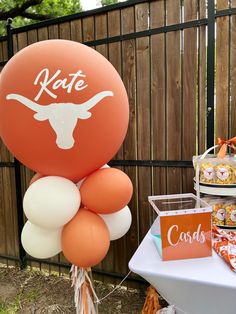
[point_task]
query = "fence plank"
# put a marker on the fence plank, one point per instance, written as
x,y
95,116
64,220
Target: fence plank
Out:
x,y
129,79
101,32
158,114
3,242
190,10
5,155
157,13
88,28
143,116
76,30
202,82
202,9
32,36
53,32
128,71
114,52
11,209
5,52
15,44
143,83
22,40
222,73
114,23
188,175
127,20
158,97
1,51
233,76
233,4
173,92
64,30
42,33
189,93
101,26
222,4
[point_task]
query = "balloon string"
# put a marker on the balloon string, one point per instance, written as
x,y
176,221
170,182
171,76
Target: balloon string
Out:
x,y
118,286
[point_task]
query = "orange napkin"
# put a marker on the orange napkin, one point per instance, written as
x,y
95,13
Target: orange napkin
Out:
x,y
224,243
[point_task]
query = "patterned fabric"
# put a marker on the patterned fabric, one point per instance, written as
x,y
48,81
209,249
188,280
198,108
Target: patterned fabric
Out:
x,y
224,243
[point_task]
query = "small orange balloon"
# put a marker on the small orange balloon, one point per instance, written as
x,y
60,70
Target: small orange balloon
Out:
x,y
85,239
36,177
106,191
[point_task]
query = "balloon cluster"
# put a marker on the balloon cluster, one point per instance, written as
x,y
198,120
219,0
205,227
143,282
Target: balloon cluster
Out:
x,y
79,220
64,114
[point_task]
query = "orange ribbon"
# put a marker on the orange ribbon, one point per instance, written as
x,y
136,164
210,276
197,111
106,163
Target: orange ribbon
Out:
x,y
151,304
224,144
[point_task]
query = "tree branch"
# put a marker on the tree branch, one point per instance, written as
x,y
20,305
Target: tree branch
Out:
x,y
18,10
30,3
36,16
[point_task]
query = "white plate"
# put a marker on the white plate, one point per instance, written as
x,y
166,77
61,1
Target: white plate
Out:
x,y
215,185
217,189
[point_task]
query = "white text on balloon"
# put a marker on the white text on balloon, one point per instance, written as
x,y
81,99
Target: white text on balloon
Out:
x,y
63,117
79,85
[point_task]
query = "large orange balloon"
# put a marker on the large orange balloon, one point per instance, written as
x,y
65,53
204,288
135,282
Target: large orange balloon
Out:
x,y
106,191
63,108
85,239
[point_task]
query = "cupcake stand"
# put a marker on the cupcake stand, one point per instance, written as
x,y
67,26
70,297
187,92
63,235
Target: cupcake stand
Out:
x,y
194,286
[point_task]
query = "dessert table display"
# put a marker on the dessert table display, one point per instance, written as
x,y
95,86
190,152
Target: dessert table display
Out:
x,y
176,256
195,286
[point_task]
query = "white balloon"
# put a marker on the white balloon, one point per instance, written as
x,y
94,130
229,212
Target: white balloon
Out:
x,y
39,242
51,202
118,223
105,166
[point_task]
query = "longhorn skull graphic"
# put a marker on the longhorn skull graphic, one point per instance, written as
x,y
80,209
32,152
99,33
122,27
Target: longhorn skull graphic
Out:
x,y
62,117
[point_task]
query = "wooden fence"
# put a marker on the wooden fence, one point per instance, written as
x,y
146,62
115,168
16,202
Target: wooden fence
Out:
x,y
165,58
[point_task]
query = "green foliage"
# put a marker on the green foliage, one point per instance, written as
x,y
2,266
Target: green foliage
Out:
x,y
53,8
57,7
107,2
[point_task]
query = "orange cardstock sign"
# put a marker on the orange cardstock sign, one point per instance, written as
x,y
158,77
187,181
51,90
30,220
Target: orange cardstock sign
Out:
x,y
186,236
183,226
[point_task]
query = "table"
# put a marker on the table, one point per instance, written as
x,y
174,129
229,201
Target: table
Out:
x,y
194,286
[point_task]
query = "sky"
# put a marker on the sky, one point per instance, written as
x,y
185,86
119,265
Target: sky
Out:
x,y
89,4
92,4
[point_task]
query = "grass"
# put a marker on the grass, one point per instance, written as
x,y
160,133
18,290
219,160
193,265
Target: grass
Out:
x,y
14,306
11,308
33,292
32,295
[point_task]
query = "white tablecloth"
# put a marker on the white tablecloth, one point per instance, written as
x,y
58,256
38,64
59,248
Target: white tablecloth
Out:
x,y
194,286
